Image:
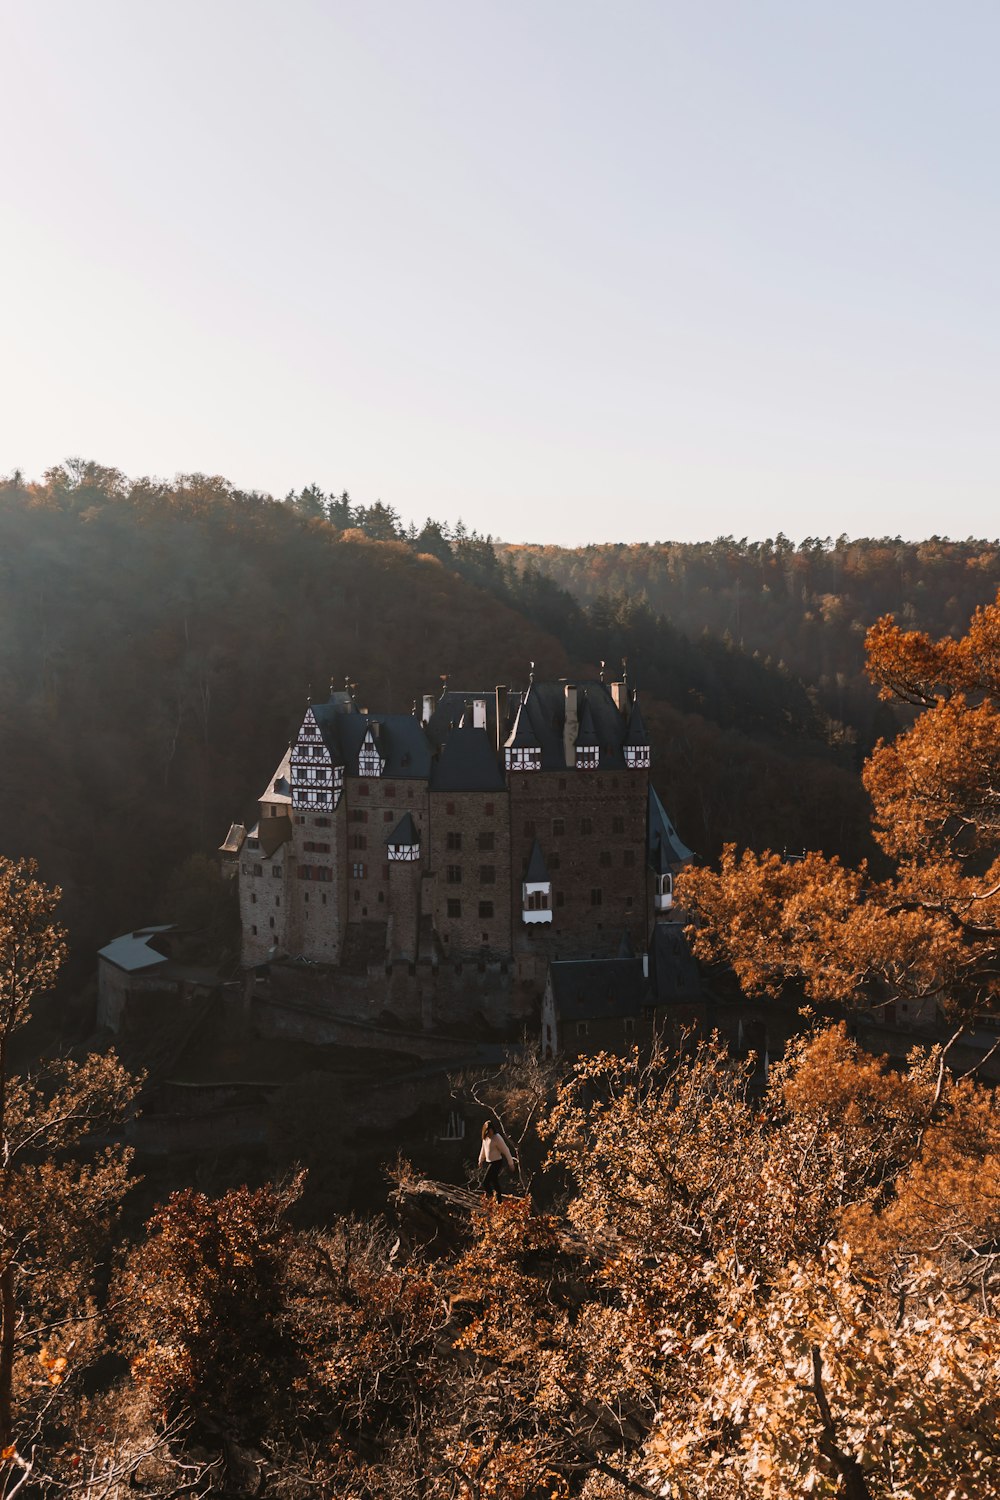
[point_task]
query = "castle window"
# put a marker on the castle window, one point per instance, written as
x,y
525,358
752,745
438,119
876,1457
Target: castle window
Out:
x,y
605,859
385,875
529,829
320,822
381,895
486,908
390,793
454,840
364,790
301,817
488,809
253,898
359,841
487,874
487,841
617,825
359,814
581,1028
449,808
270,921
596,897
323,898
629,1024
276,870
586,825
454,908
357,894
254,931
358,871
306,897
258,869
453,874
628,902
277,900
558,826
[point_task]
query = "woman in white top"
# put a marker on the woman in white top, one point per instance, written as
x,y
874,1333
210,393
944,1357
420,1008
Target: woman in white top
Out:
x,y
493,1153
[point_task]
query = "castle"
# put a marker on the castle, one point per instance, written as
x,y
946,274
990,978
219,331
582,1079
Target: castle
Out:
x,y
502,828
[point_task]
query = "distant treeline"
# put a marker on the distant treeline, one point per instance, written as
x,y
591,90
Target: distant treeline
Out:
x,y
157,643
805,606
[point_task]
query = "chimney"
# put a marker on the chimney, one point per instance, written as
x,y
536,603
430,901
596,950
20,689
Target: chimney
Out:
x,y
501,693
619,692
571,727
479,713
428,709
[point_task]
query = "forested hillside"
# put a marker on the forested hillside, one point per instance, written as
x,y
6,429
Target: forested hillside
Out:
x,y
806,606
157,643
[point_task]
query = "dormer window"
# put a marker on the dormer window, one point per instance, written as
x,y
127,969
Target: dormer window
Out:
x,y
523,758
370,762
536,889
663,898
588,757
404,842
637,757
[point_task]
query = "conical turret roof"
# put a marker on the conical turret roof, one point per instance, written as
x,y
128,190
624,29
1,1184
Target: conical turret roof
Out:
x,y
537,872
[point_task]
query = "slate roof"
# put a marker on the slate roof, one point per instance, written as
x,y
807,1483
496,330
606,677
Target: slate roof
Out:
x,y
526,734
673,968
586,734
593,989
453,706
133,951
665,849
405,832
636,726
468,763
537,872
401,741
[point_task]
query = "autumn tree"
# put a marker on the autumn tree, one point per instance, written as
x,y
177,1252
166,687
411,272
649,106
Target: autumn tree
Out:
x,y
59,1195
930,931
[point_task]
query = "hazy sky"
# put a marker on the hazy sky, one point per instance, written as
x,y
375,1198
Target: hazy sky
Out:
x,y
572,271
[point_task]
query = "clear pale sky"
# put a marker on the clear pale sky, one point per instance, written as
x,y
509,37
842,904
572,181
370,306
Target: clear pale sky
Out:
x,y
571,271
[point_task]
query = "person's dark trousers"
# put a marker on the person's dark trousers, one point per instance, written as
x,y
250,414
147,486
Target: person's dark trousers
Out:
x,y
491,1182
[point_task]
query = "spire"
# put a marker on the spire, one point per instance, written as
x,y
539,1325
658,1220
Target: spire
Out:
x,y
537,872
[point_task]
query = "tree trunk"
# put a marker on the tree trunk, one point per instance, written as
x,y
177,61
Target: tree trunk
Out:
x,y
7,1321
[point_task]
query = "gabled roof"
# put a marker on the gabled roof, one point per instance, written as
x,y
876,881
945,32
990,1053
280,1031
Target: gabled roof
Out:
x,y
665,849
593,989
405,832
673,968
468,763
537,872
636,726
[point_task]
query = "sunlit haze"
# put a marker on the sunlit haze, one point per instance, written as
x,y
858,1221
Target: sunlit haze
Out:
x,y
572,272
